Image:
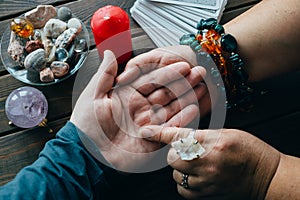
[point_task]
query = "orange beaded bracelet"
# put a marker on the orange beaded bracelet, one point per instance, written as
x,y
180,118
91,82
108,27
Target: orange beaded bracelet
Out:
x,y
222,48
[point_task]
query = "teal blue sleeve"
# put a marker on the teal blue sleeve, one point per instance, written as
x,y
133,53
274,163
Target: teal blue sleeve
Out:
x,y
64,170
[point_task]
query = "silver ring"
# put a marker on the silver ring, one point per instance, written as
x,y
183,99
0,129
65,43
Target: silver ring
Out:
x,y
184,181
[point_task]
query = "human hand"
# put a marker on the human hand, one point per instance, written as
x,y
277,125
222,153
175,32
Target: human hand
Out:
x,y
112,117
159,58
236,165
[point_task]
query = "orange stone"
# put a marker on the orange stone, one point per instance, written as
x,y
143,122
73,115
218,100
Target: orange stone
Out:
x,y
22,27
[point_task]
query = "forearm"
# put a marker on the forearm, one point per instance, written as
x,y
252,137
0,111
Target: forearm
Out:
x,y
64,170
286,181
268,37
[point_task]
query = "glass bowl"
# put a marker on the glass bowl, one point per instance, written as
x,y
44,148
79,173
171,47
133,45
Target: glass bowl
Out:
x,y
20,73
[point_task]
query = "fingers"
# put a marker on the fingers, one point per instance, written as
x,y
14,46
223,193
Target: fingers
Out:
x,y
139,65
184,117
179,104
147,62
175,89
197,186
179,112
105,76
161,77
164,134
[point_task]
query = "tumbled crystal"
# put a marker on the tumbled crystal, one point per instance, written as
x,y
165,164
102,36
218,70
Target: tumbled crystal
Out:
x,y
61,54
22,27
46,75
80,46
59,68
64,13
26,107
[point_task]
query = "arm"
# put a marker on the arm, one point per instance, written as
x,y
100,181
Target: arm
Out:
x,y
237,165
55,175
268,38
286,180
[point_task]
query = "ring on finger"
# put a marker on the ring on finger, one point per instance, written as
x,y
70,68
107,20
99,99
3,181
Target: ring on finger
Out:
x,y
184,181
188,148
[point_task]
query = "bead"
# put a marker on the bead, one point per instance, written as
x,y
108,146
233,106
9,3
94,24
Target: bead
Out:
x,y
199,37
26,107
194,44
187,39
240,75
236,61
22,27
200,24
219,29
213,34
228,43
197,48
209,23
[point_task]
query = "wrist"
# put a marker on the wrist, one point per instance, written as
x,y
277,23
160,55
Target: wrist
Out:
x,y
285,182
266,168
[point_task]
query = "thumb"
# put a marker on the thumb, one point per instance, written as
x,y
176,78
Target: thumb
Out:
x,y
164,134
106,74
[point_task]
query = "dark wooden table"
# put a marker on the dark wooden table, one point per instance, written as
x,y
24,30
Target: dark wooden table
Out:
x,y
275,119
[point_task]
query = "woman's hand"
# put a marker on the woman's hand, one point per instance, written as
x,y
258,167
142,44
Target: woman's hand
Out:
x,y
111,116
159,58
236,165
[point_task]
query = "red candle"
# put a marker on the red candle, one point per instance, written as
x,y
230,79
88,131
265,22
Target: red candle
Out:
x,y
111,29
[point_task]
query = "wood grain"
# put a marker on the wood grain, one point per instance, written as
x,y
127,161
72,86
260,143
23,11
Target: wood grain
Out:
x,y
22,148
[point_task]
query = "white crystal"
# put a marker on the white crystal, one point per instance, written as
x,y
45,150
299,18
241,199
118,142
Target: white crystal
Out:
x,y
188,148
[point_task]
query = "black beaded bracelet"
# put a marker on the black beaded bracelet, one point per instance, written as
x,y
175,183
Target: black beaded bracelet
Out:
x,y
222,49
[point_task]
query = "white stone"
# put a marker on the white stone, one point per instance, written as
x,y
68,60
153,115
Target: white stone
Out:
x,y
54,27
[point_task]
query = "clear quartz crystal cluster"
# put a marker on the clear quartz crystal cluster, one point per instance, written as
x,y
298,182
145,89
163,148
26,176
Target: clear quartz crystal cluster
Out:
x,y
188,148
45,42
26,107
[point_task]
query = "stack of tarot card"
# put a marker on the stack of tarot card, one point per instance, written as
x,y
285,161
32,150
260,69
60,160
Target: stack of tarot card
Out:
x,y
165,21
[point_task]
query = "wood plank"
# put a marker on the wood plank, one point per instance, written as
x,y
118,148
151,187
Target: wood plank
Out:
x,y
22,148
16,7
